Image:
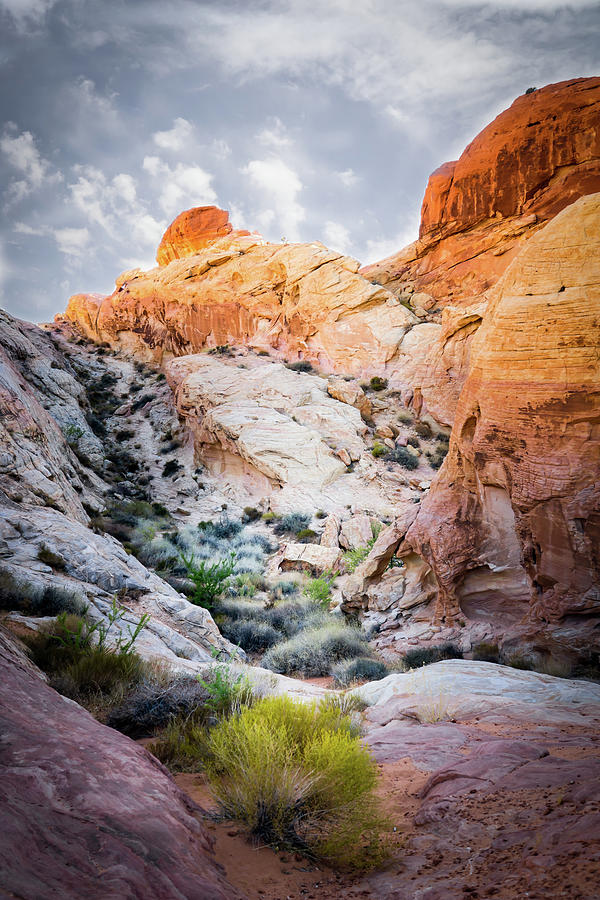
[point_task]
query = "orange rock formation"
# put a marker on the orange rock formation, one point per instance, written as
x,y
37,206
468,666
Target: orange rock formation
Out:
x,y
534,159
191,231
511,527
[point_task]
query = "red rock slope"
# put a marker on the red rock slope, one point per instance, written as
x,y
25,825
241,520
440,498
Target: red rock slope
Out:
x,y
86,812
535,158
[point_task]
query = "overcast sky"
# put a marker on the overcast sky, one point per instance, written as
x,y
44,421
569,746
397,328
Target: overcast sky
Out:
x,y
307,120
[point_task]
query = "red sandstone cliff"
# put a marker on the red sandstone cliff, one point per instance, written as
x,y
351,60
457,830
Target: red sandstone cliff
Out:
x,y
533,160
193,230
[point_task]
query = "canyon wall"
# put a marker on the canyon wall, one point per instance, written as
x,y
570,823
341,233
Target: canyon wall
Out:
x,y
511,527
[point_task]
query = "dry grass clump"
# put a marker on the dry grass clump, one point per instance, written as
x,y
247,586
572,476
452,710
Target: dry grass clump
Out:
x,y
313,651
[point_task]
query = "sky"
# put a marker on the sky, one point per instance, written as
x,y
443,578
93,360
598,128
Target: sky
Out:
x,y
306,120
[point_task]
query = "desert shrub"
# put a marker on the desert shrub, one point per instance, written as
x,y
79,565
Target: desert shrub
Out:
x,y
423,429
318,590
36,599
224,527
302,365
292,523
313,651
379,450
249,634
50,558
285,588
251,514
403,457
363,668
154,705
306,535
437,457
210,580
413,441
517,661
531,90
170,468
124,434
297,776
424,656
486,652
378,384
80,662
320,514
442,438
405,418
291,616
182,746
141,401
269,517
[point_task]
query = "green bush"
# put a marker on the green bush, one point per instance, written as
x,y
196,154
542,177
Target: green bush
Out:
x,y
378,384
318,590
403,457
424,656
379,450
306,535
313,651
363,668
297,776
210,580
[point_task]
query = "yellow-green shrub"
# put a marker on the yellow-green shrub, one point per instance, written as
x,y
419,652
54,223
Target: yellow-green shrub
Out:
x,y
296,774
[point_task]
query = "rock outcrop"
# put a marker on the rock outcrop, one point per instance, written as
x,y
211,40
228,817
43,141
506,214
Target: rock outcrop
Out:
x,y
511,527
193,230
87,812
293,300
534,159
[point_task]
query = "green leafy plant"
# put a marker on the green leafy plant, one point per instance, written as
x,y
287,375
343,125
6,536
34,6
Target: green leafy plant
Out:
x,y
404,457
296,775
378,450
378,384
227,690
209,580
319,589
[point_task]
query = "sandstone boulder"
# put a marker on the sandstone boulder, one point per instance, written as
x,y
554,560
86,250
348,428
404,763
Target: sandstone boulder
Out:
x,y
191,231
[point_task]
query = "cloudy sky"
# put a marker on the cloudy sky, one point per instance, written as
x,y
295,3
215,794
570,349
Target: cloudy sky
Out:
x,y
307,120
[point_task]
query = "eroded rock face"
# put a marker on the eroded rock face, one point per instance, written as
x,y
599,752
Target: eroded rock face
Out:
x,y
297,300
511,528
533,160
87,812
191,231
41,407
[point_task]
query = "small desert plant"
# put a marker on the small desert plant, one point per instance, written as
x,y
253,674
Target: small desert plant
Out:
x,y
378,384
313,651
424,656
251,514
318,590
210,580
378,450
292,523
413,442
302,365
249,634
297,776
423,429
170,468
153,705
363,668
405,418
403,457
306,535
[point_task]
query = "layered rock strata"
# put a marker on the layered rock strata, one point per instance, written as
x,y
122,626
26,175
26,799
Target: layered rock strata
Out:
x,y
510,530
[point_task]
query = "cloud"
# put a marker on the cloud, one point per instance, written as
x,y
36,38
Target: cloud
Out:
x,y
337,237
348,177
381,246
177,138
21,153
182,186
280,186
72,241
26,13
274,136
